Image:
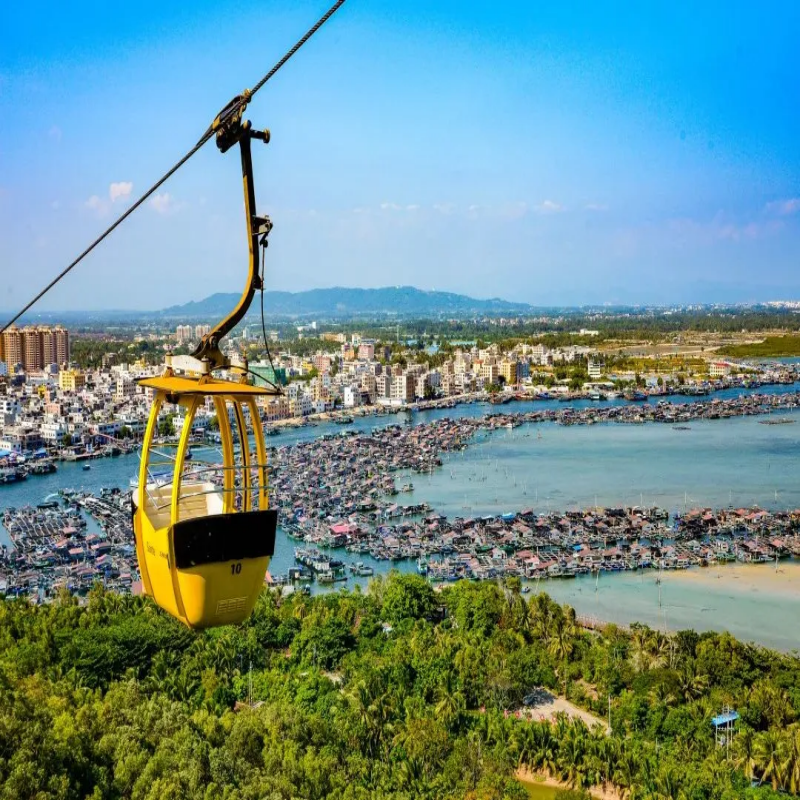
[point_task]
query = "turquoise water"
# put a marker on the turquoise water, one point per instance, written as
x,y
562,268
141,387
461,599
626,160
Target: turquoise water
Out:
x,y
716,463
715,598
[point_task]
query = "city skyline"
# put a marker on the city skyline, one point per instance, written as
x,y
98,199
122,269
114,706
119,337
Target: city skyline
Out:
x,y
555,157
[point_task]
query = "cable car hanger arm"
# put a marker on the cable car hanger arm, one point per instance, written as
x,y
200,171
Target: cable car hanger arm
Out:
x,y
230,129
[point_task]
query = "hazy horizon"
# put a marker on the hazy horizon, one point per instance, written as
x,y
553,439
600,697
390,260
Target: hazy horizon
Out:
x,y
600,307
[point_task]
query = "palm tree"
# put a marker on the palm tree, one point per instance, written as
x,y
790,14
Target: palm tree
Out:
x,y
541,609
540,748
667,784
605,752
451,705
519,613
790,768
571,756
660,695
769,757
639,647
525,742
692,686
626,771
773,703
181,685
657,650
744,756
562,633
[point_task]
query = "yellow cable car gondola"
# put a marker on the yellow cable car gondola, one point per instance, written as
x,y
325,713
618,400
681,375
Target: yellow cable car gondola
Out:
x,y
204,532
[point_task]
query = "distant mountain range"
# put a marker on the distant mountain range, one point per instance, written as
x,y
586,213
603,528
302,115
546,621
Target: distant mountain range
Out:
x,y
402,301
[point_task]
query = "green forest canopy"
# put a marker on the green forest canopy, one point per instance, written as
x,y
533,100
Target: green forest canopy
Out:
x,y
397,693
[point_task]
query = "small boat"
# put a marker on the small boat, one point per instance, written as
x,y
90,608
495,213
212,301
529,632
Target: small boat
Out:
x,y
86,467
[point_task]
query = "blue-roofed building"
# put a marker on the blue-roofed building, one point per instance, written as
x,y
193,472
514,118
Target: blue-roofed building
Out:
x,y
726,718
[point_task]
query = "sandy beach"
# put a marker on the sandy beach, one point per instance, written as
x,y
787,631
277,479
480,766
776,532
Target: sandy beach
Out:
x,y
743,578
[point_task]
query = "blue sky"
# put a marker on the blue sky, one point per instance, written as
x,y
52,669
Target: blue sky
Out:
x,y
562,153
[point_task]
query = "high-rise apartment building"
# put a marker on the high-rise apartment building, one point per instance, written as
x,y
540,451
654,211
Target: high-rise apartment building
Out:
x,y
12,346
35,348
32,355
61,345
48,346
41,347
183,333
200,331
54,345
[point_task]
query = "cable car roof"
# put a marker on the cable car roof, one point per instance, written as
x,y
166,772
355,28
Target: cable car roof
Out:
x,y
180,384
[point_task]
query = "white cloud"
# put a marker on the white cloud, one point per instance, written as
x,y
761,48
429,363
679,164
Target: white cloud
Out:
x,y
549,207
444,208
596,207
784,208
390,207
98,205
119,191
164,203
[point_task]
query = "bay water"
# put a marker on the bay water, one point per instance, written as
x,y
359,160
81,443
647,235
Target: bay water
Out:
x,y
716,463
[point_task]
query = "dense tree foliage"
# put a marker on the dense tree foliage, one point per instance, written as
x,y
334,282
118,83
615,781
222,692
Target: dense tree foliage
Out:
x,y
396,693
771,347
89,351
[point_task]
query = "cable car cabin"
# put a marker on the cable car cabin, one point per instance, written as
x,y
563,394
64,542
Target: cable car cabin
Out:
x,y
204,530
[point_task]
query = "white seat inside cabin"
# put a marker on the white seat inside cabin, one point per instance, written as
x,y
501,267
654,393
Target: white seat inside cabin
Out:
x,y
198,499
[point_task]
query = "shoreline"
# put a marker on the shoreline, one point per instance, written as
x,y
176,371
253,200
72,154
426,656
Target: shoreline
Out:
x,y
529,778
503,399
781,583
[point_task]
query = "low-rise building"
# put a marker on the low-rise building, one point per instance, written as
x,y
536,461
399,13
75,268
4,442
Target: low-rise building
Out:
x,y
719,369
402,389
71,380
